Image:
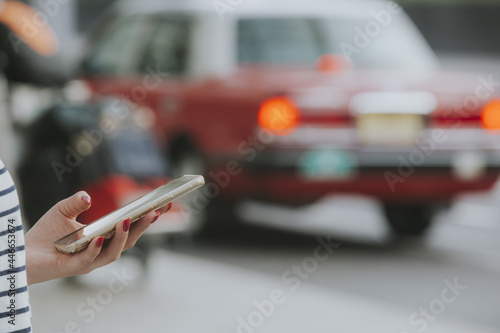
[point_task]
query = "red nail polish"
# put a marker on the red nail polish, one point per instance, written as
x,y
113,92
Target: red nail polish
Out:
x,y
168,207
126,225
156,217
87,199
99,242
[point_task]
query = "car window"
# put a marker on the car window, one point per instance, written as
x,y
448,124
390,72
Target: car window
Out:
x,y
119,49
399,46
279,41
300,41
168,50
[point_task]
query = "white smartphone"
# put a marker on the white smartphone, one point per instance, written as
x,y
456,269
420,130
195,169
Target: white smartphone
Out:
x,y
105,226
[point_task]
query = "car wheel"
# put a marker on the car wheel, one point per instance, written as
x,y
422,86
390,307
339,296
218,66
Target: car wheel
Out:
x,y
412,220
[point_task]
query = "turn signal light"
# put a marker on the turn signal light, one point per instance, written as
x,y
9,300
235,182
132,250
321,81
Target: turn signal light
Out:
x,y
490,117
280,115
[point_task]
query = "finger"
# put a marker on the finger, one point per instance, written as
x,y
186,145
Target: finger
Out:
x,y
165,208
71,207
143,224
139,227
83,260
116,245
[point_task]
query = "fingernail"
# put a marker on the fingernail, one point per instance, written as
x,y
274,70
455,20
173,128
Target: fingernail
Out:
x,y
168,207
86,198
156,217
126,225
99,242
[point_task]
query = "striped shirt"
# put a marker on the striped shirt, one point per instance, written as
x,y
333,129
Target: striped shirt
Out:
x,y
15,314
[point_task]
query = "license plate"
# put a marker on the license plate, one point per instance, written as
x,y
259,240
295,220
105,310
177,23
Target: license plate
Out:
x,y
328,164
389,129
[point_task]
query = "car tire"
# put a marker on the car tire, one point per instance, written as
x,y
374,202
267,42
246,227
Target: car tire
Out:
x,y
409,220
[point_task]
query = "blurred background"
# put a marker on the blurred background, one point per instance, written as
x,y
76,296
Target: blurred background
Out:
x,y
351,153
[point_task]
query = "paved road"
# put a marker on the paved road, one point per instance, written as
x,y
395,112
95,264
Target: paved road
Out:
x,y
259,280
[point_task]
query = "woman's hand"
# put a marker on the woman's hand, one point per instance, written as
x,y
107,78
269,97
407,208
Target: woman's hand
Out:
x,y
44,262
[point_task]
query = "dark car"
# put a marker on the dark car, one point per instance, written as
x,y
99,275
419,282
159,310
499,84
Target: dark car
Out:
x,y
92,147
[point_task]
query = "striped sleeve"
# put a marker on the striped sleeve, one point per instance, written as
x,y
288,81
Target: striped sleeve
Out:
x,y
15,314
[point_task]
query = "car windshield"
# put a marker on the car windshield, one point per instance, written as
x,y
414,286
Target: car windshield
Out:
x,y
300,41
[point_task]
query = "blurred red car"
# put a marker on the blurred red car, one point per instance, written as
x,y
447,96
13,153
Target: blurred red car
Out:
x,y
288,102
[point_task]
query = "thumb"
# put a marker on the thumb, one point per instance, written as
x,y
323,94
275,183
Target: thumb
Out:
x,y
71,207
